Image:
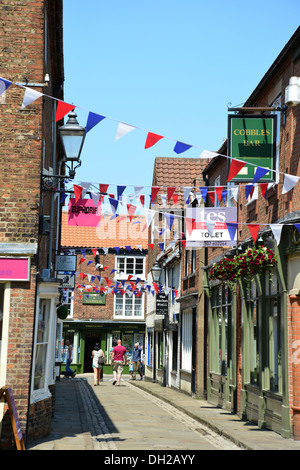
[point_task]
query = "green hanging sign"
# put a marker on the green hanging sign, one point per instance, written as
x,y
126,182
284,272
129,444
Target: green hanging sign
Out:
x,y
252,138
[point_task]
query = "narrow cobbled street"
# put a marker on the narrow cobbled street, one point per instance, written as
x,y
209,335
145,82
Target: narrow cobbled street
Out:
x,y
127,417
143,416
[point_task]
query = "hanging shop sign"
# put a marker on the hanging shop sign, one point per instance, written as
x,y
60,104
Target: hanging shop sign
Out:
x,y
252,138
94,299
15,269
211,226
162,303
65,263
84,213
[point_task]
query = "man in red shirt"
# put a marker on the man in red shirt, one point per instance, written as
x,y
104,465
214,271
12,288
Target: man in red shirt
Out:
x,y
118,354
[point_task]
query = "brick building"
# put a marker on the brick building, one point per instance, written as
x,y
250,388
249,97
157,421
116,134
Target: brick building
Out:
x,y
253,338
108,300
31,49
173,339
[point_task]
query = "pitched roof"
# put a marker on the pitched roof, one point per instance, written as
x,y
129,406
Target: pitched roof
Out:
x,y
179,172
108,234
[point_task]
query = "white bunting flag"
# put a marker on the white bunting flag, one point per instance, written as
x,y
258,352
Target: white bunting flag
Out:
x,y
30,96
149,213
289,182
208,154
123,129
277,229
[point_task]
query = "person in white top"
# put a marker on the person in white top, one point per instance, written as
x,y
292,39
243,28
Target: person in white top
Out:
x,y
97,353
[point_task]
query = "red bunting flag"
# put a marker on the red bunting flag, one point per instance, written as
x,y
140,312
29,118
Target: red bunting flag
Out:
x,y
253,228
150,245
235,167
131,210
175,198
142,199
175,293
62,109
170,192
152,139
190,224
264,187
94,251
212,196
219,191
156,287
103,188
82,276
154,191
77,191
183,242
81,260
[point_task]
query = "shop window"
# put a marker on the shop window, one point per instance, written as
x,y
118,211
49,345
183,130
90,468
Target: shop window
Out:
x,y
187,320
221,329
150,349
42,341
174,351
273,311
253,302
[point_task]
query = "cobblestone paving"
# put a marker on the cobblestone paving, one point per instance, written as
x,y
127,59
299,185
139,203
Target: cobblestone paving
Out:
x,y
127,418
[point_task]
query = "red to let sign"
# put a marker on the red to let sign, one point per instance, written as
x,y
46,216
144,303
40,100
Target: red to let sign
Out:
x,y
14,269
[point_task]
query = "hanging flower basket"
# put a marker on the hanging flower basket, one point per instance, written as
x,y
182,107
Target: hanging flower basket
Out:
x,y
244,266
62,312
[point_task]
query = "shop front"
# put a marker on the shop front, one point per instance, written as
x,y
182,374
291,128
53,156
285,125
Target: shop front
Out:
x,y
84,335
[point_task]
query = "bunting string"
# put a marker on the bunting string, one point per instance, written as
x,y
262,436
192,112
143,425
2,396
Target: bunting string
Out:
x,y
93,119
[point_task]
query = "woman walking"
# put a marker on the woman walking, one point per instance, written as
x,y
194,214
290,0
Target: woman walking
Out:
x,y
98,361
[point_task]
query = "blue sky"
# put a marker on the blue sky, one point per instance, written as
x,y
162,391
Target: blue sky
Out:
x,y
168,67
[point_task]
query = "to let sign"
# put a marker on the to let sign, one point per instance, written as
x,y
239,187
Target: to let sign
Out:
x,y
252,138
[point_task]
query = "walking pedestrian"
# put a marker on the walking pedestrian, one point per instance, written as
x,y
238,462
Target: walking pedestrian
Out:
x,y
69,371
136,359
98,357
142,361
117,358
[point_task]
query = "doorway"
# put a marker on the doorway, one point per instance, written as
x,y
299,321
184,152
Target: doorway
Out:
x,y
90,340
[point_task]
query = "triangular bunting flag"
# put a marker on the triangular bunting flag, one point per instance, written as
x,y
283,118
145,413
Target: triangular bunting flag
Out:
x,y
142,199
183,242
123,129
138,191
120,190
249,188
94,251
219,190
204,192
289,182
175,199
264,188
154,191
186,194
103,188
131,210
208,154
212,196
77,191
62,109
4,85
30,96
151,245
297,227
92,121
235,167
253,228
152,139
232,228
164,199
149,216
190,224
114,205
169,219
162,246
170,192
277,229
260,172
180,147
